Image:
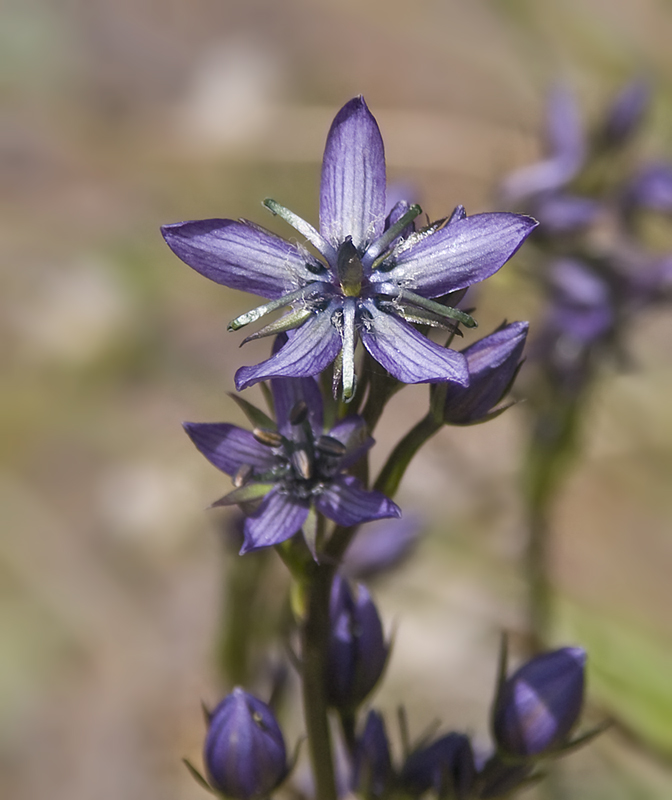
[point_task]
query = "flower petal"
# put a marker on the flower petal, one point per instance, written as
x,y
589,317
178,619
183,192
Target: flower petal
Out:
x,y
462,253
278,517
347,502
353,432
408,355
564,129
287,392
228,447
308,351
239,255
352,193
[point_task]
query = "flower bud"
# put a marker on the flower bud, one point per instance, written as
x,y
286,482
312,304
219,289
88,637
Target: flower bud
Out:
x,y
446,766
244,752
537,707
492,363
372,767
357,649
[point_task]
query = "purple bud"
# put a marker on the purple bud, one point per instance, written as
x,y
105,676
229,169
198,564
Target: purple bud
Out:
x,y
651,188
446,766
244,752
537,707
380,546
492,362
626,112
357,649
372,768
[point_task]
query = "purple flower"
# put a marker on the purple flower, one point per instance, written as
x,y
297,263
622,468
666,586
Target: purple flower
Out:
x,y
539,705
372,771
289,470
357,651
380,546
244,753
544,185
493,363
446,766
371,280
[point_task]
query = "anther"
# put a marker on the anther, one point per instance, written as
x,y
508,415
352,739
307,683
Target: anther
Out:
x,y
242,475
330,446
266,437
299,413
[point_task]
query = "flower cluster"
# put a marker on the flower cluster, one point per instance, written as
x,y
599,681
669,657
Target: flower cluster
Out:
x,y
593,199
534,713
369,274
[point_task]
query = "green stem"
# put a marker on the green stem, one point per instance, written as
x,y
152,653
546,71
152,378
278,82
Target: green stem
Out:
x,y
551,451
242,600
391,474
314,641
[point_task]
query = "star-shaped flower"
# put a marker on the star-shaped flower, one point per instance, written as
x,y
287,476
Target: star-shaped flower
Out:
x,y
374,277
292,468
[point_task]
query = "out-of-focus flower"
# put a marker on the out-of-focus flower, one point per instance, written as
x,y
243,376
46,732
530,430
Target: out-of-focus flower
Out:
x,y
372,773
380,546
625,115
651,188
566,146
538,706
446,766
493,362
289,469
357,650
374,278
244,753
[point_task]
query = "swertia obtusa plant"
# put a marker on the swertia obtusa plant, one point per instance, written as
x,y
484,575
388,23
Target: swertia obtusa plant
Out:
x,y
369,274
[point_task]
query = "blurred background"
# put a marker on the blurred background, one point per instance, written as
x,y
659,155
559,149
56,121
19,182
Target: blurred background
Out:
x,y
120,116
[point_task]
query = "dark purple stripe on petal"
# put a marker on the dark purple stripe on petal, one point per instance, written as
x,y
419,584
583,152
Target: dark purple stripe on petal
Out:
x,y
239,255
352,193
228,447
463,253
408,355
308,350
278,517
347,502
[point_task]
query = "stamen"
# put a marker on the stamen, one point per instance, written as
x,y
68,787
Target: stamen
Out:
x,y
242,475
381,244
287,323
304,228
438,308
274,305
420,316
349,342
330,446
298,413
302,463
266,437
